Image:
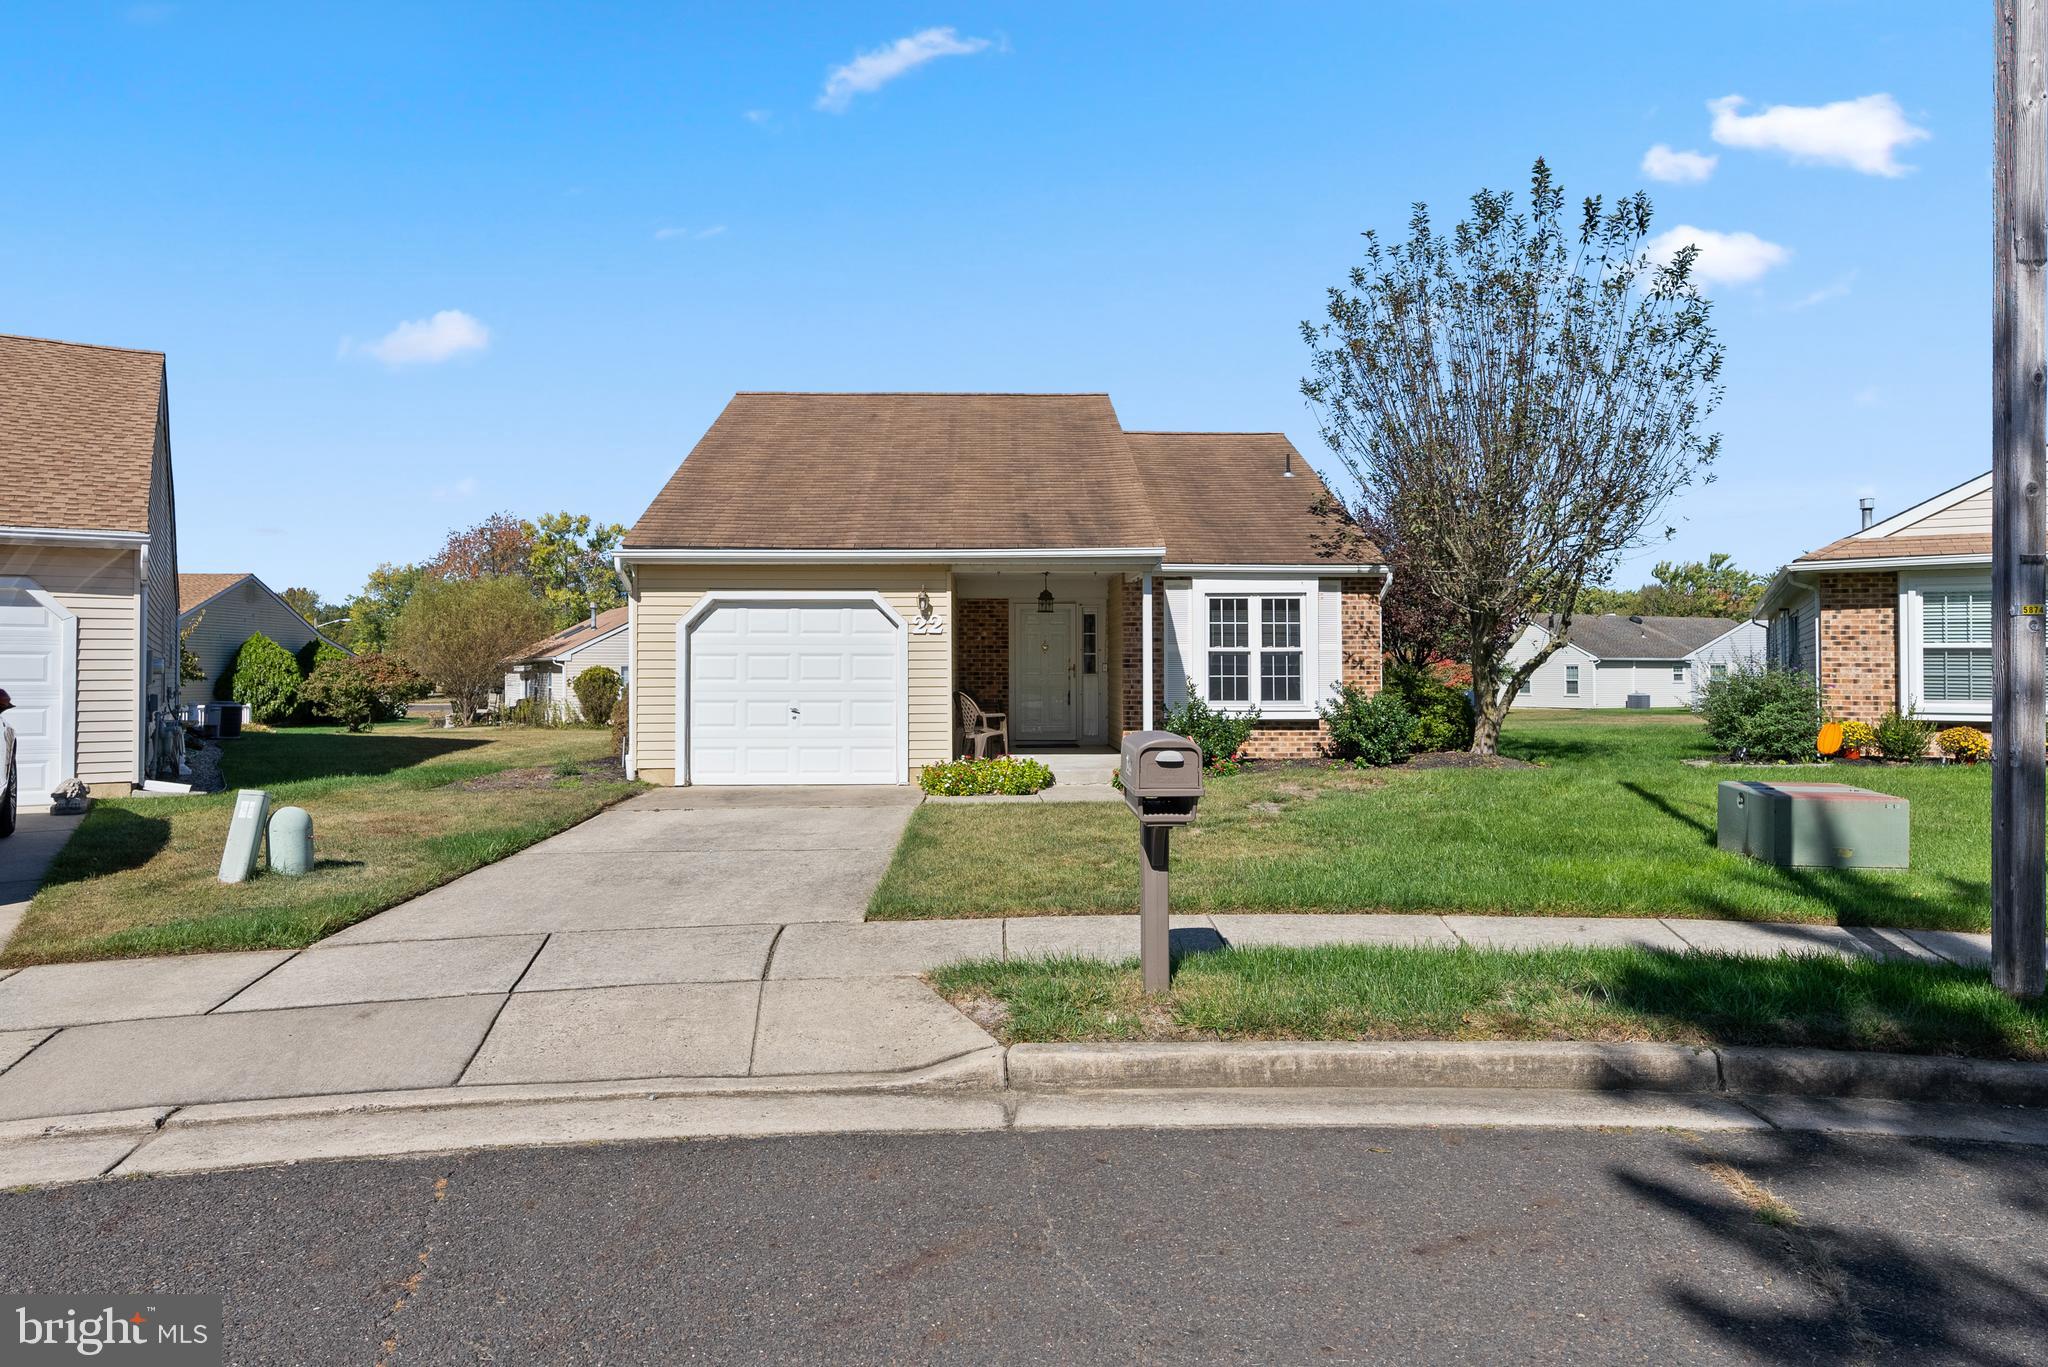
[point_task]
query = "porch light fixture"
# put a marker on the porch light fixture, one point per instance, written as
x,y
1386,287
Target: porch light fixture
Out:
x,y
1045,595
924,604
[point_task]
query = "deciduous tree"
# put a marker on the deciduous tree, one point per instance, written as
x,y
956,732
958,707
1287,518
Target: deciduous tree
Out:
x,y
1518,399
459,632
570,563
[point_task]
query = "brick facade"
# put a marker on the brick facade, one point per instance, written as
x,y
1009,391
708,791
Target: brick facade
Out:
x,y
1359,647
1859,643
981,651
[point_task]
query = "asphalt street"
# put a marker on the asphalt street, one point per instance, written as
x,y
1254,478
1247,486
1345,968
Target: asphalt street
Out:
x,y
1410,1246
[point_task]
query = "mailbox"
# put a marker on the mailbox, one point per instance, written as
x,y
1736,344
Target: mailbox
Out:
x,y
1162,777
1162,780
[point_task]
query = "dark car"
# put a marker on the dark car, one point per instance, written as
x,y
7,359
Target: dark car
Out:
x,y
10,797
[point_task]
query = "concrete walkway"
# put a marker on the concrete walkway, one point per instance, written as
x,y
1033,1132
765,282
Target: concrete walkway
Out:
x,y
25,857
695,935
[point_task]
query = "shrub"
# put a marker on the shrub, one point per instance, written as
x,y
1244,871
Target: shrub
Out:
x,y
622,712
597,693
1965,743
355,690
535,712
1368,729
970,777
1859,735
460,632
313,652
1903,736
336,693
1443,714
1220,734
263,676
1762,713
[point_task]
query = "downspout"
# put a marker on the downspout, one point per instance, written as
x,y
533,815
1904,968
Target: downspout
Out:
x,y
1145,635
141,664
632,665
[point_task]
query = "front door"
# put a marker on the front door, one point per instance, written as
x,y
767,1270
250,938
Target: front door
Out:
x,y
1043,694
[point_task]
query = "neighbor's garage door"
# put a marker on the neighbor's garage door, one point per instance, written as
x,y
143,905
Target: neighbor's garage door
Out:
x,y
33,670
795,693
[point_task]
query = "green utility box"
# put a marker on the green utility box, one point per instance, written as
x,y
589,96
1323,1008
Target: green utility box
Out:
x,y
1814,825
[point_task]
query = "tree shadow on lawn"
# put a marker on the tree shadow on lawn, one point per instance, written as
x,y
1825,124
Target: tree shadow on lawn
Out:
x,y
1855,897
258,759
1872,1294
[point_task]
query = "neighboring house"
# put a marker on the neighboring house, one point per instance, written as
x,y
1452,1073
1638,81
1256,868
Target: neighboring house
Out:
x,y
546,670
826,571
218,612
1896,616
88,563
1607,658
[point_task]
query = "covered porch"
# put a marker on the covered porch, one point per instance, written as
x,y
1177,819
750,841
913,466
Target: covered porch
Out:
x,y
1069,655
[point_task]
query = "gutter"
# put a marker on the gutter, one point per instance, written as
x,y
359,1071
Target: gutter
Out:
x,y
83,538
754,555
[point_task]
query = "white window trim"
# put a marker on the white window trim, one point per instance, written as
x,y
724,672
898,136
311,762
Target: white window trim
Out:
x,y
798,598
1195,652
1913,644
1573,680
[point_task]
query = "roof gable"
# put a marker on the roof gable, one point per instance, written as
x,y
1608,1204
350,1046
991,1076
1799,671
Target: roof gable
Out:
x,y
587,632
196,590
78,435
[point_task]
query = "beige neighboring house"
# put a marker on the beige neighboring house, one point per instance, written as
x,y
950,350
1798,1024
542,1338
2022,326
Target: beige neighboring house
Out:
x,y
1895,616
88,564
546,671
218,612
825,573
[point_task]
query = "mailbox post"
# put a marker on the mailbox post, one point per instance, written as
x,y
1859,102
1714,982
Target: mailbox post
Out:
x,y
1162,782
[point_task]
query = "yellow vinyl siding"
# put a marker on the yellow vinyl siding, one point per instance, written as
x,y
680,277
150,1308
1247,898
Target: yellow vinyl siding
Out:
x,y
1970,517
101,588
665,594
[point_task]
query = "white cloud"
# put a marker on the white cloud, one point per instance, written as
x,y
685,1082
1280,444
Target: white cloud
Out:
x,y
670,234
870,71
1861,134
426,341
759,115
1834,290
1680,168
1724,259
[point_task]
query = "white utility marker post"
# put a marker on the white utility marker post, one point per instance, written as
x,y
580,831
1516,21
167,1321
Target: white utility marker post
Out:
x,y
1145,669
2019,533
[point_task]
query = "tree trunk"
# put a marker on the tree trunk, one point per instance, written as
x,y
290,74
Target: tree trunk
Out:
x,y
1489,699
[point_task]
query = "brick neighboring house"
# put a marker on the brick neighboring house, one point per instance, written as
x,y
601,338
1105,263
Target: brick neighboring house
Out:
x,y
825,573
1895,616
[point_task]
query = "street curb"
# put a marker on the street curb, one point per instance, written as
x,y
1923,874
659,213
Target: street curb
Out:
x,y
1552,1066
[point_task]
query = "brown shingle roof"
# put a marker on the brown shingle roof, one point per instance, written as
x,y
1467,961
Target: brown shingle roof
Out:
x,y
1889,547
569,638
194,589
1224,498
981,472
1611,636
77,434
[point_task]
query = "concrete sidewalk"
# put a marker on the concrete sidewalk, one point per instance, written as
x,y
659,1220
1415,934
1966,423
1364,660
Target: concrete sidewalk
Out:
x,y
693,938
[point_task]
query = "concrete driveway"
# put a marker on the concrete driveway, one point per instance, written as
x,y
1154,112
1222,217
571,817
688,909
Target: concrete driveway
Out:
x,y
25,857
672,858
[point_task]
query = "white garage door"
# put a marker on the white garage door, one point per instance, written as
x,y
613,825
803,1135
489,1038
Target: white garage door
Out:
x,y
795,693
35,669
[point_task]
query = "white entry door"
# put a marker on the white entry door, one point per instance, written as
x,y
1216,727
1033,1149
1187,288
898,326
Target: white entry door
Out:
x,y
795,693
38,643
1042,673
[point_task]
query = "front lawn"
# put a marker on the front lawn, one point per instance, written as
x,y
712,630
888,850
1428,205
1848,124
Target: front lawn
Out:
x,y
1401,992
396,811
1611,822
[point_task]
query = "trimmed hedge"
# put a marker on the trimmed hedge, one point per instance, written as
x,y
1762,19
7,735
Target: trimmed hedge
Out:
x,y
973,777
264,677
597,692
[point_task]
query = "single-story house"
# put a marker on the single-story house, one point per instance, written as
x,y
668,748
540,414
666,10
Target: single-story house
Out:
x,y
88,564
826,573
1608,658
1896,616
218,612
546,671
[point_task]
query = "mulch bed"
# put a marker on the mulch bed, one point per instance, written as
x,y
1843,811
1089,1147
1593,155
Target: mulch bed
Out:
x,y
546,776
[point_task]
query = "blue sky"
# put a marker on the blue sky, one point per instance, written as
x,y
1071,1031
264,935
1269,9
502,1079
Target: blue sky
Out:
x,y
601,220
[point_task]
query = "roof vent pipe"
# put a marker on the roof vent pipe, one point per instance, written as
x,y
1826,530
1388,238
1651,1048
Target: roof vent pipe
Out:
x,y
1868,507
1287,464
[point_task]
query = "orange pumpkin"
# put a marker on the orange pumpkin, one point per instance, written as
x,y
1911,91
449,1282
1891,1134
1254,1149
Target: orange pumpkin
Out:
x,y
1830,738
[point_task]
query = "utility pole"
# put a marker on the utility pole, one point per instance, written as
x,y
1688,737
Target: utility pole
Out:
x,y
2019,532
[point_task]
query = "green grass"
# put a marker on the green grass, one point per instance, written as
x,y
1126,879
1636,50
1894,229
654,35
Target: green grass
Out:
x,y
1396,992
1611,823
391,819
